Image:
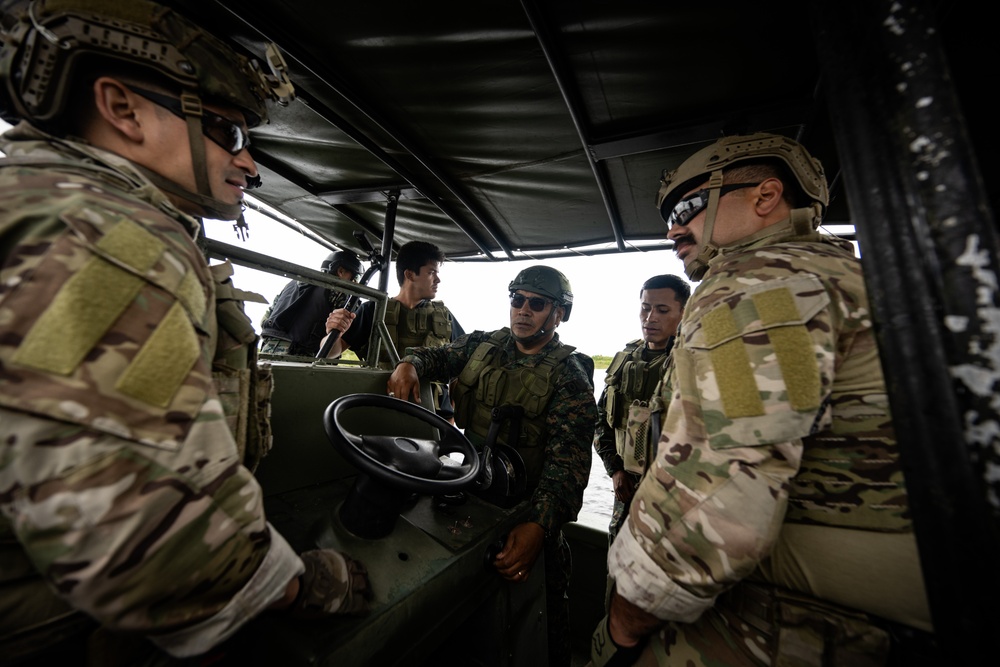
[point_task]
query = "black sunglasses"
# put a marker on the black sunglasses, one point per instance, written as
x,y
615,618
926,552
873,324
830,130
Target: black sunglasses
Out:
x,y
696,202
536,303
228,134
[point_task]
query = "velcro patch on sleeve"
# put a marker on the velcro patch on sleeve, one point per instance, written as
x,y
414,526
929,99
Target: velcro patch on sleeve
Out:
x,y
91,300
792,346
758,362
164,361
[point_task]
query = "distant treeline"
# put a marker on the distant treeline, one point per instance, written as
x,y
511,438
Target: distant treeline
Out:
x,y
601,361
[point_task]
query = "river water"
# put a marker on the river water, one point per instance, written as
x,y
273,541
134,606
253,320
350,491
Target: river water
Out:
x,y
598,498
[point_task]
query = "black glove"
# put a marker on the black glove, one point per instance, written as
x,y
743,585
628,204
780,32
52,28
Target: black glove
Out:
x,y
604,652
333,583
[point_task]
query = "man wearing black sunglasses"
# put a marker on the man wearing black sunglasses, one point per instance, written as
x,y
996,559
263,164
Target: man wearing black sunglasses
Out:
x,y
128,398
527,368
772,526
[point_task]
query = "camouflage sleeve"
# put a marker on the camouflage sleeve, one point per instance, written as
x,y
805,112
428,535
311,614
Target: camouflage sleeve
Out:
x,y
753,373
182,554
604,439
445,362
569,427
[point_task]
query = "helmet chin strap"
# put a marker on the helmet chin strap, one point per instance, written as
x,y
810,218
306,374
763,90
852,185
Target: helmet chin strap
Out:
x,y
695,269
211,207
538,334
802,222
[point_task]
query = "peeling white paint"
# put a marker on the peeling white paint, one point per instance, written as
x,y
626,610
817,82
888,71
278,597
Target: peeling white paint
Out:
x,y
977,379
894,26
901,87
956,323
923,175
983,377
920,144
925,102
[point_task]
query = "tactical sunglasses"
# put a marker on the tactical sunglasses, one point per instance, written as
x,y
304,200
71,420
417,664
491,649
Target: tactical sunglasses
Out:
x,y
228,134
536,303
696,202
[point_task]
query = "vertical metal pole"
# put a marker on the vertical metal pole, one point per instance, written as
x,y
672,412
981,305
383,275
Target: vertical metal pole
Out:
x,y
929,250
375,342
390,230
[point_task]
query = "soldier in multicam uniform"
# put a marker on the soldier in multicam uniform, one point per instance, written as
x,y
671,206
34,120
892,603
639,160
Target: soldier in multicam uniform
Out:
x,y
773,526
296,321
125,511
631,379
526,365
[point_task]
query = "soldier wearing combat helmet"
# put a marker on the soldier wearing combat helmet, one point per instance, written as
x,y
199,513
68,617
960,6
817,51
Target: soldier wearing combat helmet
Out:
x,y
526,369
295,322
125,510
772,527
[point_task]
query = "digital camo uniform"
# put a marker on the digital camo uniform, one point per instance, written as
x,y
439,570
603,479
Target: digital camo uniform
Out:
x,y
565,426
633,375
118,469
776,413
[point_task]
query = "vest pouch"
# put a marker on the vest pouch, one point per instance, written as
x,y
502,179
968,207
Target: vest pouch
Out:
x,y
441,323
491,388
244,389
642,432
614,407
635,445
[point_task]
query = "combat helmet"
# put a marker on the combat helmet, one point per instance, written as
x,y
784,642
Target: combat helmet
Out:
x,y
709,163
546,281
344,258
48,43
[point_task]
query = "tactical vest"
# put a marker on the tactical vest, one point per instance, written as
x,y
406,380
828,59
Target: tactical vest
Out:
x,y
483,385
244,386
629,378
424,326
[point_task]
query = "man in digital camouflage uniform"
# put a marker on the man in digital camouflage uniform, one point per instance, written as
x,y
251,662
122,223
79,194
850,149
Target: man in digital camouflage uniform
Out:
x,y
773,526
125,512
296,321
526,365
631,378
413,318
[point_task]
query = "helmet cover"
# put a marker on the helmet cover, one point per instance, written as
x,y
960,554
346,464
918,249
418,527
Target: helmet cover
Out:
x,y
45,42
546,281
725,153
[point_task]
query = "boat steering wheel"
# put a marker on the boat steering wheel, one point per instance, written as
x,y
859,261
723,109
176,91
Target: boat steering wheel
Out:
x,y
410,464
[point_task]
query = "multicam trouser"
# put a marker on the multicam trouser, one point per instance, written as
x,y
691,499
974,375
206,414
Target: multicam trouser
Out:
x,y
758,626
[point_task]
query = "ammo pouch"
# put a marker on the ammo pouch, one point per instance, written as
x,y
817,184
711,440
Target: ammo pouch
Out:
x,y
244,388
636,445
807,631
